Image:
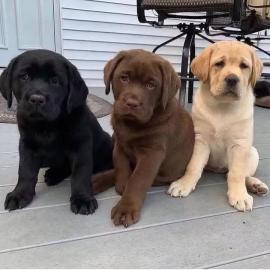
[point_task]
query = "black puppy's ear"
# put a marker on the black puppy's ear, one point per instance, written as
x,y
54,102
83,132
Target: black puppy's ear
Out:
x,y
6,82
170,82
110,68
78,90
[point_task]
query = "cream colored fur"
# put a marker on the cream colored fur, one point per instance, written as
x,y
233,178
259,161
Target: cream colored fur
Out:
x,y
223,121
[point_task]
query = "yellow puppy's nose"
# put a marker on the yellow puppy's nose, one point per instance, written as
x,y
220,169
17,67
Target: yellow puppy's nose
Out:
x,y
232,80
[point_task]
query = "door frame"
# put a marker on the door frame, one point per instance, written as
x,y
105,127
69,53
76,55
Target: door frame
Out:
x,y
57,13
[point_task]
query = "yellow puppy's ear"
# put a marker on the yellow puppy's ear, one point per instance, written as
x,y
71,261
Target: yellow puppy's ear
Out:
x,y
170,82
201,64
257,68
110,68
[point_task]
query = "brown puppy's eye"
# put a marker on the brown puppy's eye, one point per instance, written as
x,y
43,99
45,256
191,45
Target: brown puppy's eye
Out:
x,y
54,80
25,77
124,78
220,64
150,86
243,66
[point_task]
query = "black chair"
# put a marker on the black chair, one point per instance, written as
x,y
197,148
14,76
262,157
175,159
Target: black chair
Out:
x,y
220,17
249,22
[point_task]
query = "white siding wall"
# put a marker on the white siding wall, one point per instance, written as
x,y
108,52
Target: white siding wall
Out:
x,y
93,31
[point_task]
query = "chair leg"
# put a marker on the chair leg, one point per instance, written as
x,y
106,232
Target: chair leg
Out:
x,y
191,76
206,38
259,49
184,66
249,42
167,42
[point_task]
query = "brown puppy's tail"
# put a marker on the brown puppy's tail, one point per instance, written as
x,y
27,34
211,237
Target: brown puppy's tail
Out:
x,y
102,181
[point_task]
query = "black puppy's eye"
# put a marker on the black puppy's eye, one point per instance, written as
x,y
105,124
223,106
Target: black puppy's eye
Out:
x,y
243,65
124,78
150,86
54,80
219,64
25,77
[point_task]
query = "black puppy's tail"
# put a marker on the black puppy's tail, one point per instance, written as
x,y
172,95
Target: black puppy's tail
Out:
x,y
103,181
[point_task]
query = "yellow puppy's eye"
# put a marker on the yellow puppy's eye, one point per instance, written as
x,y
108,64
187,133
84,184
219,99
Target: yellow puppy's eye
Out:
x,y
219,64
243,65
124,78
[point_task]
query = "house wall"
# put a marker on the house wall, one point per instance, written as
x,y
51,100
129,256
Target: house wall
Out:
x,y
94,31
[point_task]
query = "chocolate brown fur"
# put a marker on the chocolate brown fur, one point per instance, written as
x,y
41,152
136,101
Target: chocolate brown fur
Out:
x,y
153,134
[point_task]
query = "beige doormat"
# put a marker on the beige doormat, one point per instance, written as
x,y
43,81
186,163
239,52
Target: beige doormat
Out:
x,y
98,106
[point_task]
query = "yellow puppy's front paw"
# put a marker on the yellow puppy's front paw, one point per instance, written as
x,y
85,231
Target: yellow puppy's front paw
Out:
x,y
242,201
181,188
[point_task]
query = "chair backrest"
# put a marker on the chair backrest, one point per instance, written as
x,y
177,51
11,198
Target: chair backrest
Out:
x,y
233,20
205,9
222,15
246,18
262,7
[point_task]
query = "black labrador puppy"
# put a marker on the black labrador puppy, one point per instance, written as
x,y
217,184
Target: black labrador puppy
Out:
x,y
57,130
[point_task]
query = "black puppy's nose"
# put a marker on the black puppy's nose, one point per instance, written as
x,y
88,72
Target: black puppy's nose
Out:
x,y
232,80
37,99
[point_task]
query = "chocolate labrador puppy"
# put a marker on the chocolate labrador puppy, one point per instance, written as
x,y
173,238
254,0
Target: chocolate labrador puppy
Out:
x,y
57,130
153,134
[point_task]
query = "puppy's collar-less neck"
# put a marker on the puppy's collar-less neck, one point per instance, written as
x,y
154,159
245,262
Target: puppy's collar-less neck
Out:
x,y
213,102
159,115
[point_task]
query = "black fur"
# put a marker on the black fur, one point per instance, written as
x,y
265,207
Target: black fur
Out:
x,y
61,133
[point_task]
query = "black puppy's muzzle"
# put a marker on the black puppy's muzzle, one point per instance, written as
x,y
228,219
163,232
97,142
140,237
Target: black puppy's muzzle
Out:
x,y
37,100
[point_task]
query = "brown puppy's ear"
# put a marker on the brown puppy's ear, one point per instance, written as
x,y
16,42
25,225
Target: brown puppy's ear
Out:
x,y
170,82
201,64
257,67
110,68
78,90
6,82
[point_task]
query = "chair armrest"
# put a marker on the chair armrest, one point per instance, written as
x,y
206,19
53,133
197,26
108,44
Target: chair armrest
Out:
x,y
140,12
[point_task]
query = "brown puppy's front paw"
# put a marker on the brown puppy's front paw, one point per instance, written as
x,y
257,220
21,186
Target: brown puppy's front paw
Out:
x,y
120,187
125,213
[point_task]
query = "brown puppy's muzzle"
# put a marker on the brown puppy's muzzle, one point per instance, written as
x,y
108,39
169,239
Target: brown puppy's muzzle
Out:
x,y
131,106
132,103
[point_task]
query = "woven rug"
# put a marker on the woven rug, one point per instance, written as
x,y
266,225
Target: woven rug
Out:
x,y
97,105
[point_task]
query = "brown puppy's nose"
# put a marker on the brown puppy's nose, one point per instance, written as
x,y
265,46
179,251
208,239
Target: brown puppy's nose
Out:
x,y
132,103
232,80
37,100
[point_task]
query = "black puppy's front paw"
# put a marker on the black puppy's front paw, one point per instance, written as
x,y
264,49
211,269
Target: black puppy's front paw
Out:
x,y
54,176
15,200
83,205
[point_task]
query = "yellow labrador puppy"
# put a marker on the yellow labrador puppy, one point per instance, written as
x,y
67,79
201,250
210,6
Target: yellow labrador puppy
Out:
x,y
223,118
